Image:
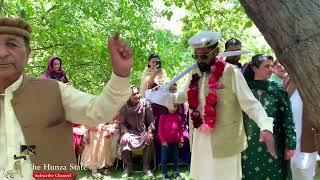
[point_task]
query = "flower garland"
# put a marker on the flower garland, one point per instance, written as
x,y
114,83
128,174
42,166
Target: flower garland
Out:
x,y
210,115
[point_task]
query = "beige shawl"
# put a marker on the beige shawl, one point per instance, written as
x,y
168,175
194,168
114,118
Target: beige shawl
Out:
x,y
146,81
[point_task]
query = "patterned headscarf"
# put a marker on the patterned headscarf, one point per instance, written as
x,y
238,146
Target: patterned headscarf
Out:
x,y
58,75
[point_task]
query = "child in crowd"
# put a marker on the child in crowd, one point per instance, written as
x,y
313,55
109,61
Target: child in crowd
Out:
x,y
171,137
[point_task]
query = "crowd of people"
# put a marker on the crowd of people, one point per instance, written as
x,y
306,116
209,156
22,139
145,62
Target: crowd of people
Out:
x,y
229,121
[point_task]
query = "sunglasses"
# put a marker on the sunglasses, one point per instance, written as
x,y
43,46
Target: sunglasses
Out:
x,y
202,56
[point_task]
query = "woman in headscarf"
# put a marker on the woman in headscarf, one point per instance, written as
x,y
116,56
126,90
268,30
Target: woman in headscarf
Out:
x,y
55,71
153,75
137,127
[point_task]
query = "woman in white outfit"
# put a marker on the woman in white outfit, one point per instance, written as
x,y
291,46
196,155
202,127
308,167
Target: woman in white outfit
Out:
x,y
303,164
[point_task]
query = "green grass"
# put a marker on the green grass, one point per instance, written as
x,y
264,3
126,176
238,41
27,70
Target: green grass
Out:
x,y
116,174
317,177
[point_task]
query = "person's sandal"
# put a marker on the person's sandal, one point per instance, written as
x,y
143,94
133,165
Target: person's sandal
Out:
x,y
177,177
96,174
126,173
149,174
166,177
106,171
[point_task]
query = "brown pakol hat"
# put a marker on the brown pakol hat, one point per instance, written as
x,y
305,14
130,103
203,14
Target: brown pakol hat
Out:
x,y
16,26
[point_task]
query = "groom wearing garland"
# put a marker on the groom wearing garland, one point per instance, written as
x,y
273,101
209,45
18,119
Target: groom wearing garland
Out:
x,y
217,93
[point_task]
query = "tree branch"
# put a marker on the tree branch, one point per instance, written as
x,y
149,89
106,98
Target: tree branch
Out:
x,y
51,46
73,65
201,16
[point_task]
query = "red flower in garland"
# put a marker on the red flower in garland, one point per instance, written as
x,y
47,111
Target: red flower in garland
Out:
x,y
193,98
211,99
218,69
210,115
210,110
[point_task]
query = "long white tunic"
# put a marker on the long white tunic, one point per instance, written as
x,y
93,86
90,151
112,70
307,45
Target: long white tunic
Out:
x,y
203,165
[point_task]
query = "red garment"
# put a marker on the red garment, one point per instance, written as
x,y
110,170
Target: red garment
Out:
x,y
170,128
77,139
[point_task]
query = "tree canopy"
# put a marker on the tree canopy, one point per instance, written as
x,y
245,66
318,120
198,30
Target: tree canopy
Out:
x,y
77,31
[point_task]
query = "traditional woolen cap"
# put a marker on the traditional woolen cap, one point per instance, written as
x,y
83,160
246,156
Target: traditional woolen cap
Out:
x,y
16,26
204,39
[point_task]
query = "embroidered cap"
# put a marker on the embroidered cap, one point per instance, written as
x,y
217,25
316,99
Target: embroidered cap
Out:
x,y
204,39
16,26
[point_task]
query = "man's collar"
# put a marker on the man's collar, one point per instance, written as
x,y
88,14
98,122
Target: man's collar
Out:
x,y
13,87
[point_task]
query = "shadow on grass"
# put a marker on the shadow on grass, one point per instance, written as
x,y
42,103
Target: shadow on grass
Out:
x,y
116,174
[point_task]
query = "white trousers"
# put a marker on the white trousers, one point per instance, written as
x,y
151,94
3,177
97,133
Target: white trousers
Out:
x,y
205,167
303,166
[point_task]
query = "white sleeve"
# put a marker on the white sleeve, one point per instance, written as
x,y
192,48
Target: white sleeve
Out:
x,y
83,108
182,95
249,104
297,111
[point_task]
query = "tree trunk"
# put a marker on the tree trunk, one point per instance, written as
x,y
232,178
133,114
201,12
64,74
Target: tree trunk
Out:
x,y
292,29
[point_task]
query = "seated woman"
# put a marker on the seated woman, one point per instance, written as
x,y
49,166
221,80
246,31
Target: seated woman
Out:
x,y
112,133
100,147
93,156
136,126
55,71
78,132
257,162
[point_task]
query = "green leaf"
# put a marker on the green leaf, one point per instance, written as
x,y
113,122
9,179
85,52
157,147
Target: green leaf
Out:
x,y
77,31
248,24
169,15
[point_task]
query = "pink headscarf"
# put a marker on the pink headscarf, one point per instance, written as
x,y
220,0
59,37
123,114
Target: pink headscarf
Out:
x,y
58,75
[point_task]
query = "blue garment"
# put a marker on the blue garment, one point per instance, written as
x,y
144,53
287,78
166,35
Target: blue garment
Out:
x,y
184,152
173,150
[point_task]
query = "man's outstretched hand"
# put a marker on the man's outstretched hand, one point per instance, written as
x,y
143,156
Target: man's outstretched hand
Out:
x,y
121,56
267,137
